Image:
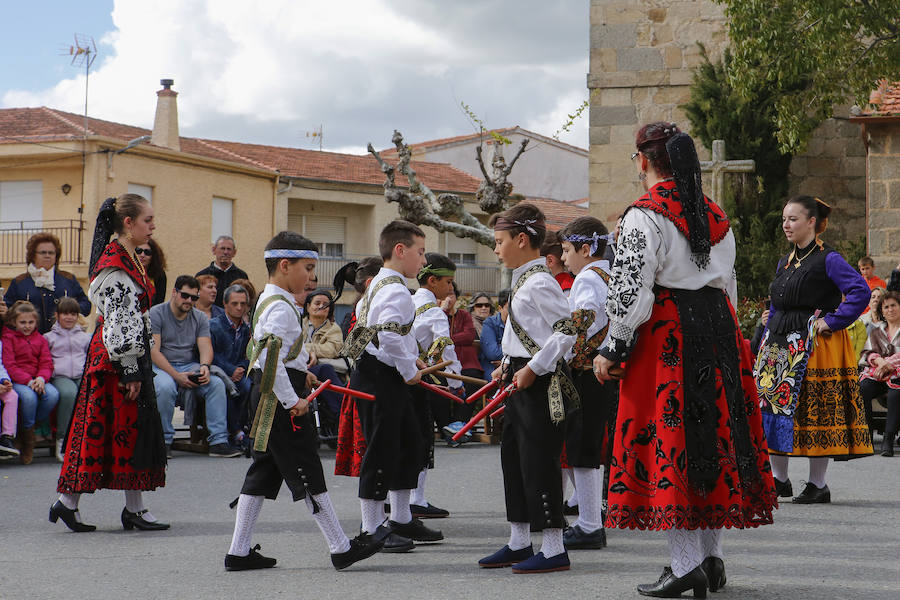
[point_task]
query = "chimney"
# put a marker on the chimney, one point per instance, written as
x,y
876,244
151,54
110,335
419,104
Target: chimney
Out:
x,y
165,125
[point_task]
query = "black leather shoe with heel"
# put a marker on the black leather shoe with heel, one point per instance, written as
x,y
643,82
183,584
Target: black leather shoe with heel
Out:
x,y
130,520
669,586
715,572
69,516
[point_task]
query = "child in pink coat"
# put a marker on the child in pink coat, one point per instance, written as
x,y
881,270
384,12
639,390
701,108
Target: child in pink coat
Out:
x,y
10,403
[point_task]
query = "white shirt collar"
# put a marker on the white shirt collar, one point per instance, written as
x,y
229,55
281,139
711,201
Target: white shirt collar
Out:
x,y
517,272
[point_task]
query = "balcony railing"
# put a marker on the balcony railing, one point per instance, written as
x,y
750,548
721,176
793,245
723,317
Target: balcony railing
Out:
x,y
14,237
470,278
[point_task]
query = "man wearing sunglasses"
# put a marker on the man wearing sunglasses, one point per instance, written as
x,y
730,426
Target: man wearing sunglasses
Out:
x,y
182,353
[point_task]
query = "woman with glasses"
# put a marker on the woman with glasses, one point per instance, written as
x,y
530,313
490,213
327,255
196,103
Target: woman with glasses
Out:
x,y
481,308
43,284
153,259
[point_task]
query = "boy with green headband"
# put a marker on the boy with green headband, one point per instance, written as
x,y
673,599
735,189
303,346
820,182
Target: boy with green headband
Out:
x,y
284,440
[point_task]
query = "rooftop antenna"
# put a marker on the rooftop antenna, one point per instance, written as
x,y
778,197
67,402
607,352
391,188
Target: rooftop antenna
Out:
x,y
314,134
83,53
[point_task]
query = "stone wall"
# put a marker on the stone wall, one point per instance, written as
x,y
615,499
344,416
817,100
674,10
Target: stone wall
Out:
x,y
884,193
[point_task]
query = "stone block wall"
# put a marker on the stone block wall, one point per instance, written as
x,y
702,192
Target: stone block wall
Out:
x,y
884,194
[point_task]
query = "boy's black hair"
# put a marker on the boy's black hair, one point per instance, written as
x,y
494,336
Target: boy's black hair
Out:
x,y
397,232
867,260
435,261
187,280
524,212
503,297
368,267
287,240
552,245
586,227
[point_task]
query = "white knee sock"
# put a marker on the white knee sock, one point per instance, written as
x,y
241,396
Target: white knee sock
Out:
x,y
248,508
711,542
418,494
779,466
817,468
573,497
685,550
372,514
70,501
134,502
519,535
589,483
328,522
400,512
552,542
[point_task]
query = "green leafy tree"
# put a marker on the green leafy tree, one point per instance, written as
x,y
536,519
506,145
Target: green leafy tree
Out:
x,y
811,55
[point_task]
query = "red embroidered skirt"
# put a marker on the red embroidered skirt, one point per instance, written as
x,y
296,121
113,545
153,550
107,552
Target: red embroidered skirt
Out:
x,y
648,483
351,444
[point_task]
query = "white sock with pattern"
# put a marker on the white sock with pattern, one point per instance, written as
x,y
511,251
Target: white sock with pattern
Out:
x,y
817,468
573,497
328,522
400,512
247,512
552,542
685,550
372,514
779,466
134,503
418,494
519,535
589,483
711,540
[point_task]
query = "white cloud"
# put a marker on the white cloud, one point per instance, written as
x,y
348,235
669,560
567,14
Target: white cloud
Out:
x,y
268,72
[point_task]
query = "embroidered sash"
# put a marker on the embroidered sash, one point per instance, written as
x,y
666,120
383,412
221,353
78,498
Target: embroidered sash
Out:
x,y
586,349
363,333
561,386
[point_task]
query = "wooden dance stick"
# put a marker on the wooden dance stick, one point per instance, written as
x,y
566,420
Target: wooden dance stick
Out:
x,y
441,392
322,387
485,389
488,408
498,412
351,392
435,368
463,378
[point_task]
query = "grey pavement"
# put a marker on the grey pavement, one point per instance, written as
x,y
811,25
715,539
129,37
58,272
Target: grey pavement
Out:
x,y
848,549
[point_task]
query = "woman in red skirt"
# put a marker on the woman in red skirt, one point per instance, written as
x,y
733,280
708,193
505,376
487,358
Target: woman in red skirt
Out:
x,y
689,456
115,437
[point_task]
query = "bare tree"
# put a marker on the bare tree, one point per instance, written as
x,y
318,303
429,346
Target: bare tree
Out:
x,y
493,193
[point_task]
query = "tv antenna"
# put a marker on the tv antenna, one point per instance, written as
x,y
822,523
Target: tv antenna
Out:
x,y
316,134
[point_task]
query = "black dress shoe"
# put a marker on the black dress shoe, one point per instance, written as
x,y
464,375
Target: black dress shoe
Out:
x,y
887,445
669,586
254,560
416,530
576,538
391,543
427,511
131,520
69,517
784,489
813,495
361,547
715,572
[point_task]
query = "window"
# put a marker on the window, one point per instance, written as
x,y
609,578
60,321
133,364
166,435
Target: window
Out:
x,y
222,215
462,259
21,201
462,251
141,190
328,233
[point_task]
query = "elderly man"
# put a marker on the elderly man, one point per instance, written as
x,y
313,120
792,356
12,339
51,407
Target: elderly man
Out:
x,y
182,353
230,335
222,268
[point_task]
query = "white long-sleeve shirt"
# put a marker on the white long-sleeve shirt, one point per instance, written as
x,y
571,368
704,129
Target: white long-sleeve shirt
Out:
x,y
589,293
281,319
433,324
116,296
393,304
537,306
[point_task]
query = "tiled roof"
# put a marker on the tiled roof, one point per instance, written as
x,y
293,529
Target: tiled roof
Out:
x,y
884,101
41,125
459,139
558,214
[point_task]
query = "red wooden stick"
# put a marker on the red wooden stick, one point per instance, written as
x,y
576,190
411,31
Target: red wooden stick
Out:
x,y
488,408
486,388
322,387
441,391
498,412
352,392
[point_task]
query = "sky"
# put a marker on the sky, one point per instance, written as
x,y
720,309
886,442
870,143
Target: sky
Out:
x,y
270,72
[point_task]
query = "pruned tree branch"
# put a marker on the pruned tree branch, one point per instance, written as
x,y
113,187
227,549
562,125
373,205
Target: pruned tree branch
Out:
x,y
493,193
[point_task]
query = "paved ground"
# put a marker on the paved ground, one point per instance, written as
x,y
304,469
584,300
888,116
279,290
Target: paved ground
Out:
x,y
848,549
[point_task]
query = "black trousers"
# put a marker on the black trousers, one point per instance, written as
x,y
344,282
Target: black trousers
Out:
x,y
423,403
292,456
529,455
588,429
870,389
394,446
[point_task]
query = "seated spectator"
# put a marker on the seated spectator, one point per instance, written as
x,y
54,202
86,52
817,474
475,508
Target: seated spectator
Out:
x,y
182,354
870,318
26,357
230,335
207,294
880,364
490,353
481,308
153,259
462,332
323,342
9,407
251,298
68,343
222,268
44,284
867,269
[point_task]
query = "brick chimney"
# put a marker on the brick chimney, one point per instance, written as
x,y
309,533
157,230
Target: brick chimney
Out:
x,y
165,125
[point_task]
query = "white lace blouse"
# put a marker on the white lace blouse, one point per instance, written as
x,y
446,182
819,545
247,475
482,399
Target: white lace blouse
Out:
x,y
115,294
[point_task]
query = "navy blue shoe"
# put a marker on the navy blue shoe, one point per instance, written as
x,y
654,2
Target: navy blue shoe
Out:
x,y
540,564
504,557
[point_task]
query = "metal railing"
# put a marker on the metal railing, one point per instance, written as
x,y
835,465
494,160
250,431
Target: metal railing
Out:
x,y
470,278
14,237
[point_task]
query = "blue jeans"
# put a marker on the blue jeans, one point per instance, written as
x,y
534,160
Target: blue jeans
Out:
x,y
33,408
213,392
